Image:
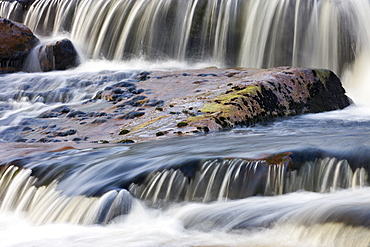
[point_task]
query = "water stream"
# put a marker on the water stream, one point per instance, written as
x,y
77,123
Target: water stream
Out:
x,y
207,190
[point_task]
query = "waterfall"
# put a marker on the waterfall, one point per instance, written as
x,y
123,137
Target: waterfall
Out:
x,y
10,10
45,204
227,33
326,34
224,179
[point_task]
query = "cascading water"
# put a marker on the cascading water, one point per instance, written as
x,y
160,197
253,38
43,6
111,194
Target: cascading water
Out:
x,y
321,34
45,204
10,10
235,178
156,194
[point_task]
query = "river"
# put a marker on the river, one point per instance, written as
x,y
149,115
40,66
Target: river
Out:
x,y
205,190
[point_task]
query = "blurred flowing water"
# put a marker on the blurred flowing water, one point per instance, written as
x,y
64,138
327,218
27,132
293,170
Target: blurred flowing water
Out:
x,y
206,190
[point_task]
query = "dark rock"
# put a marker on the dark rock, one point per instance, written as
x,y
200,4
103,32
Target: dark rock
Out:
x,y
154,103
100,114
103,141
143,76
124,132
135,101
16,42
60,55
66,133
137,91
44,140
274,93
126,141
159,133
131,115
48,115
26,128
204,75
99,121
74,114
182,124
124,84
117,91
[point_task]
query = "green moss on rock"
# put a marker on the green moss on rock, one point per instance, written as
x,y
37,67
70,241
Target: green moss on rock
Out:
x,y
182,124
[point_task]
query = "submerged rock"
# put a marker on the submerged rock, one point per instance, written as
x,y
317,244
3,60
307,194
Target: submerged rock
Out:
x,y
16,42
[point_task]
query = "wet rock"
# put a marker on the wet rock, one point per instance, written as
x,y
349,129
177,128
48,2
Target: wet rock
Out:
x,y
135,101
74,114
160,133
182,124
27,128
126,141
117,91
143,76
45,140
131,115
55,112
204,75
124,132
66,133
103,141
100,114
124,84
48,115
154,103
16,42
274,93
137,91
60,55
99,121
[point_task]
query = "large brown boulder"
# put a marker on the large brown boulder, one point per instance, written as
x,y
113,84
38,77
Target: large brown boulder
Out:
x,y
60,55
16,42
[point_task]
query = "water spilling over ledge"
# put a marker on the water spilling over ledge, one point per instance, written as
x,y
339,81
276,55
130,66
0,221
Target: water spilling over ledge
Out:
x,y
46,205
197,189
233,33
45,194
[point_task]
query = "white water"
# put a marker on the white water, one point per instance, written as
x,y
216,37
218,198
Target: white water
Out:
x,y
43,205
217,180
206,225
8,9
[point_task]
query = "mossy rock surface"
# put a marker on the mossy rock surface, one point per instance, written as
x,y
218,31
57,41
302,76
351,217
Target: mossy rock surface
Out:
x,y
274,93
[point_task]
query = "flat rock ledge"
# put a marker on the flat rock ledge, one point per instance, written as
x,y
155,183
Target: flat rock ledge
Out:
x,y
212,99
160,104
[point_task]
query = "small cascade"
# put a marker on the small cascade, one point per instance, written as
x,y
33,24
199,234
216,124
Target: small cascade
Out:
x,y
45,204
223,179
11,10
326,175
215,180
